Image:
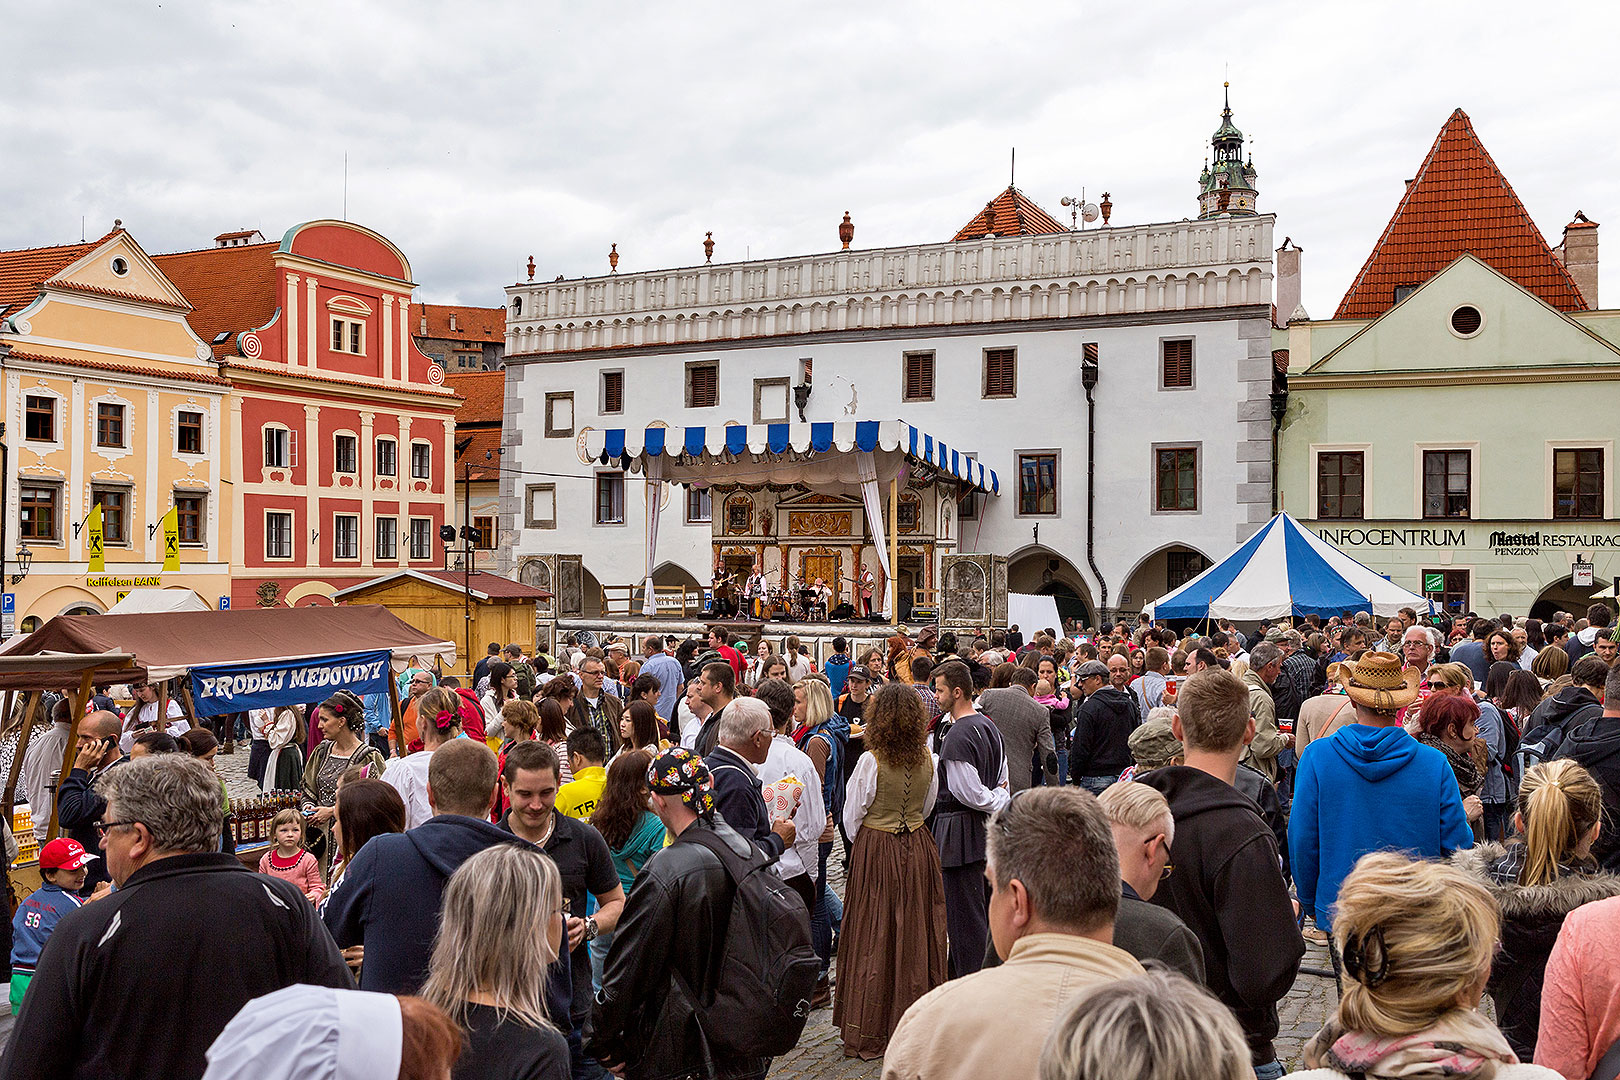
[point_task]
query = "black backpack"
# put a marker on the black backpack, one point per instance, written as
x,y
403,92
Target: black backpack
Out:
x,y
768,969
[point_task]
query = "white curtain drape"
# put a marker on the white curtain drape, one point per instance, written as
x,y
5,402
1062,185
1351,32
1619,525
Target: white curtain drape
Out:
x,y
872,496
655,499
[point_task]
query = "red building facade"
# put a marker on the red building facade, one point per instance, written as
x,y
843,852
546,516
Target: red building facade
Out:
x,y
342,428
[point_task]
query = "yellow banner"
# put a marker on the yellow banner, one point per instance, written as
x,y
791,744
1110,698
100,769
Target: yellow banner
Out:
x,y
98,552
171,540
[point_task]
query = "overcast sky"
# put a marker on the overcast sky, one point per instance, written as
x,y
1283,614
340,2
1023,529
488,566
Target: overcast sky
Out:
x,y
479,134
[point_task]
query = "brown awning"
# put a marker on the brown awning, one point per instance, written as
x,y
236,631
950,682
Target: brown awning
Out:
x,y
166,644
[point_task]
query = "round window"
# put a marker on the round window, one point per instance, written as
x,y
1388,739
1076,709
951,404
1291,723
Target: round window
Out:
x,y
1466,320
120,267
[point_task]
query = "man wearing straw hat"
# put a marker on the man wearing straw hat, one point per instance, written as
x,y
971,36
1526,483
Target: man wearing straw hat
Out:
x,y
1370,787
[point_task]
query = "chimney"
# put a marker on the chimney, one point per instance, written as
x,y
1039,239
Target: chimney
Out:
x,y
452,322
1579,253
423,330
1288,280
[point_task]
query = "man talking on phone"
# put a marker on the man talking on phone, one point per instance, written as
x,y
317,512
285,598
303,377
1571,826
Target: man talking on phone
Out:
x,y
78,806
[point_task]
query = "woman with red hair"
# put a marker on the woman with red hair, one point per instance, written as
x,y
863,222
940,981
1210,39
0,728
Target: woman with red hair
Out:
x,y
1449,722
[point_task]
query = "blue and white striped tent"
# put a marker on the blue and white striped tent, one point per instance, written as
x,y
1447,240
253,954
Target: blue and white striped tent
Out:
x,y
819,454
1285,569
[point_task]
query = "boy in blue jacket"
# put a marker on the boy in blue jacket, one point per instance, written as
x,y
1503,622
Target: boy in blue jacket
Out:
x,y
62,864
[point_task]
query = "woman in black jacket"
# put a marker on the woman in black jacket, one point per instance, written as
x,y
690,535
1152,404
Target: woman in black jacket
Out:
x,y
1542,875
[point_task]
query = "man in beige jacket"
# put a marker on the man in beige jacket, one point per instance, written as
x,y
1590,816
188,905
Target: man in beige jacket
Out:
x,y
1053,872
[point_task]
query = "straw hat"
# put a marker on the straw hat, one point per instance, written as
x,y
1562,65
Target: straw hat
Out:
x,y
1378,681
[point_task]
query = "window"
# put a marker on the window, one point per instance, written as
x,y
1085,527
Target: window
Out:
x,y
1577,483
278,535
1466,321
387,538
610,498
114,513
1448,589
559,415
348,336
1000,373
421,538
1176,475
345,536
1445,483
703,384
1176,364
39,419
483,533
613,391
909,511
967,507
1037,483
387,457
188,433
918,382
1181,567
109,424
1403,291
770,401
278,448
699,505
39,512
540,506
345,454
421,461
1341,485
188,511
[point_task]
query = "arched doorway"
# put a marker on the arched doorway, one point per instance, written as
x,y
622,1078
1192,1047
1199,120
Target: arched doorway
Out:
x,y
1562,595
1038,570
1159,572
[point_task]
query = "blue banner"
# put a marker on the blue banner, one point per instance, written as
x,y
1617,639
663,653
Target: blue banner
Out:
x,y
228,688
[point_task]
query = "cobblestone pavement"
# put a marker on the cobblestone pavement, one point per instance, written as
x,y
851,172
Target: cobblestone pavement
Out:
x,y
820,1053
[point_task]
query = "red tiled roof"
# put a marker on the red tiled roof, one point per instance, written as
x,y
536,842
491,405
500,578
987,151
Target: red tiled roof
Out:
x,y
237,235
480,449
23,271
1012,213
122,369
231,289
489,584
97,290
472,323
1279,359
1459,202
485,392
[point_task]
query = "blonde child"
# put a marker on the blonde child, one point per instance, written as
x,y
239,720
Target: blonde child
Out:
x,y
288,860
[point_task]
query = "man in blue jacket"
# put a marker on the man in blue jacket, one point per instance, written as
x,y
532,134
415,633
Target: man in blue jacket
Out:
x,y
1370,787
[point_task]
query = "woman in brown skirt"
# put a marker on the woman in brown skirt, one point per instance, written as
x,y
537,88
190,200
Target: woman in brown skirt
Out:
x,y
892,949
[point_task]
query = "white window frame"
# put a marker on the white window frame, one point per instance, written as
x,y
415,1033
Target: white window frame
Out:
x,y
337,534
390,533
411,550
58,510
596,498
428,455
97,488
1474,491
337,463
202,515
393,470
292,535
708,494
291,447
346,335
58,415
202,433
1605,445
125,425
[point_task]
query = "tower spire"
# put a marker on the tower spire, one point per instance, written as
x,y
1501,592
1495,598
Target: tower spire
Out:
x,y
1226,185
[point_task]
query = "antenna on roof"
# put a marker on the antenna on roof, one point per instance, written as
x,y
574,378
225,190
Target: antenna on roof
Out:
x,y
1012,177
81,228
345,185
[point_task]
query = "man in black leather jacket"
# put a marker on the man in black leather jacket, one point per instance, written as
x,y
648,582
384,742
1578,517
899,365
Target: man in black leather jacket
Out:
x,y
666,949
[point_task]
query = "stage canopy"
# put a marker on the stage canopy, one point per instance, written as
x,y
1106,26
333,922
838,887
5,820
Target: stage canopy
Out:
x,y
1284,569
168,644
834,458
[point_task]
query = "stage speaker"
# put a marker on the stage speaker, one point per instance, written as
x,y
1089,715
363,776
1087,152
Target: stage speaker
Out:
x,y
974,591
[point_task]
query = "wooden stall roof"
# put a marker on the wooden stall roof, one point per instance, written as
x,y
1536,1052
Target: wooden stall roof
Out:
x,y
484,586
58,670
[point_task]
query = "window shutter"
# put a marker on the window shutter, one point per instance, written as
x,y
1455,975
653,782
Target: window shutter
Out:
x,y
1000,372
705,389
292,449
919,377
613,391
1177,363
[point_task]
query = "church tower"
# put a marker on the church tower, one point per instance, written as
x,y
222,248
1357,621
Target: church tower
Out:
x,y
1226,186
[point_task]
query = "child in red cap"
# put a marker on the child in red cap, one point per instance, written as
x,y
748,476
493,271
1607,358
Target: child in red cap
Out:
x,y
62,864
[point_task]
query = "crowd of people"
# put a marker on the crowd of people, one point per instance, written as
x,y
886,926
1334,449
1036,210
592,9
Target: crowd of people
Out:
x,y
1098,853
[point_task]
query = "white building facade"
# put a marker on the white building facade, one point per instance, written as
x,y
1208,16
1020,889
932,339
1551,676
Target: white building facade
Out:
x,y
980,342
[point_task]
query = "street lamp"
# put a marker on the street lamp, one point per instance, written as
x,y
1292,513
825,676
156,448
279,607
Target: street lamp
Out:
x,y
25,559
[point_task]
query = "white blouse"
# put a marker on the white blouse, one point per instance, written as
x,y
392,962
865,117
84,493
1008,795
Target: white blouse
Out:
x,y
862,789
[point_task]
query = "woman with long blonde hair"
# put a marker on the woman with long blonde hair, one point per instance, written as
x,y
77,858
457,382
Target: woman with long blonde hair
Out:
x,y
1543,874
500,929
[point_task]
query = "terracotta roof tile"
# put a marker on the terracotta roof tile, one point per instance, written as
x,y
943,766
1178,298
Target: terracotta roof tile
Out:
x,y
23,271
472,323
479,448
1012,213
97,290
1279,359
231,289
122,369
485,392
1459,202
488,584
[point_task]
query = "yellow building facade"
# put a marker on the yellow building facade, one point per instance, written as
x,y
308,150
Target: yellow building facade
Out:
x,y
110,398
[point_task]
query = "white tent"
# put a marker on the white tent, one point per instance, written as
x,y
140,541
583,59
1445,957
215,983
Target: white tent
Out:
x,y
151,601
1032,614
1284,569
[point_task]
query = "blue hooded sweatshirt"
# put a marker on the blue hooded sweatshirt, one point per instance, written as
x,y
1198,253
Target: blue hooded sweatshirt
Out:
x,y
1368,789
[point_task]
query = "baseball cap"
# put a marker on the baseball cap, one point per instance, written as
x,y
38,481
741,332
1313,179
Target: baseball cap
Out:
x,y
64,854
1090,669
1153,744
859,674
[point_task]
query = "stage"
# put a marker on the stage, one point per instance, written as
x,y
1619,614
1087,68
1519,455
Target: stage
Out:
x,y
816,637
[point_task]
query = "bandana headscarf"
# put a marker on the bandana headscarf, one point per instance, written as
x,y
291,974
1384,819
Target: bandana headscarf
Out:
x,y
1461,1044
678,771
310,1033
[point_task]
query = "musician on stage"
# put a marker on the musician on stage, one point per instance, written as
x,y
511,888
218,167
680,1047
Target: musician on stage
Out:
x,y
822,598
756,590
866,586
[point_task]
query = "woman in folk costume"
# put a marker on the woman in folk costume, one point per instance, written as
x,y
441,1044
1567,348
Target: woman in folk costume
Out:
x,y
284,769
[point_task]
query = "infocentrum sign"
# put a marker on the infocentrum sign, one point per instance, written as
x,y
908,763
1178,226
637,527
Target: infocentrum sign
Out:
x,y
1499,541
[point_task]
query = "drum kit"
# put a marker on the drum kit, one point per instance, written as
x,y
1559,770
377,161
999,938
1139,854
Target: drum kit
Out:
x,y
798,600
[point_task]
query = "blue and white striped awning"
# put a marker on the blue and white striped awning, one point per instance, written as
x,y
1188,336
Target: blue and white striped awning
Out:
x,y
787,453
